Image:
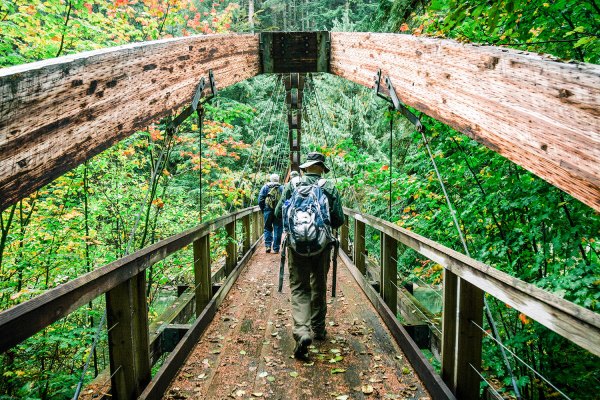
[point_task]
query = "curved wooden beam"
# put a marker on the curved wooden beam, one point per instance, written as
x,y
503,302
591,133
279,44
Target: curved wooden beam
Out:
x,y
541,114
57,113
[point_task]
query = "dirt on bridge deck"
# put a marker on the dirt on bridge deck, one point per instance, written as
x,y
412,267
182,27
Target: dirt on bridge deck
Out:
x,y
246,352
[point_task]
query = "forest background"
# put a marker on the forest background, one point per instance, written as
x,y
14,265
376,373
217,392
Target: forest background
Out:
x,y
511,219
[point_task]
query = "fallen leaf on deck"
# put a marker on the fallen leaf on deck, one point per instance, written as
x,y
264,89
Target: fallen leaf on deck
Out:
x,y
405,370
337,371
367,389
263,374
294,374
257,394
335,351
309,364
215,351
342,397
243,352
271,378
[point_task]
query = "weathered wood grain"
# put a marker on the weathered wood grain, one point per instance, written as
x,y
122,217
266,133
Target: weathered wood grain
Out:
x,y
575,323
57,113
541,114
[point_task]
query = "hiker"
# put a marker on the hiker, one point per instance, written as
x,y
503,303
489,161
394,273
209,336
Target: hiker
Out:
x,y
267,201
309,264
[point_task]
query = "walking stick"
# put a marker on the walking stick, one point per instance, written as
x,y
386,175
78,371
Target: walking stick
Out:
x,y
336,248
282,263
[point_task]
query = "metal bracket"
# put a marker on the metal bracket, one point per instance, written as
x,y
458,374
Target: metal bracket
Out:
x,y
395,101
197,100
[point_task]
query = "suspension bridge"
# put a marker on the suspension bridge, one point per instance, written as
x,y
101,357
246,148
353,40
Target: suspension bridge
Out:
x,y
230,334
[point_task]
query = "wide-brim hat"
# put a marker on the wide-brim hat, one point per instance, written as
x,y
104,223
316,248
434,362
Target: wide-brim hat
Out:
x,y
314,158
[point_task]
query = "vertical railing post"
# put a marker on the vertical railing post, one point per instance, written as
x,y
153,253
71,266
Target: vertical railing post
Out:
x,y
246,228
231,248
202,272
389,271
128,341
449,329
359,246
468,343
344,235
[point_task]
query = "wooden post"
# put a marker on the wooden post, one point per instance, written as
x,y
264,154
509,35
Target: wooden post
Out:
x,y
468,343
256,225
246,227
389,271
449,329
344,235
202,273
359,246
231,257
128,342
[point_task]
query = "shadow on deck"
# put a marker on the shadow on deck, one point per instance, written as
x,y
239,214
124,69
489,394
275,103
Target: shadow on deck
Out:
x,y
246,352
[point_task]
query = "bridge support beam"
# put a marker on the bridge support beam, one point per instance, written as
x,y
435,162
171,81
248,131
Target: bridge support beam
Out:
x,y
128,341
462,339
359,246
231,248
389,272
344,236
202,273
246,230
294,86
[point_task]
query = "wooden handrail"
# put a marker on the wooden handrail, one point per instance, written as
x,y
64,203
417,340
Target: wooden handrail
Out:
x,y
24,320
575,323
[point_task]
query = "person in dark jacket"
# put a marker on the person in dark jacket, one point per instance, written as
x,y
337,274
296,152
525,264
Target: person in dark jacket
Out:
x,y
267,200
308,274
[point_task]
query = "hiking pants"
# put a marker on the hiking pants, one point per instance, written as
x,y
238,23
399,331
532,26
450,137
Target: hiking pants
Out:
x,y
273,229
308,283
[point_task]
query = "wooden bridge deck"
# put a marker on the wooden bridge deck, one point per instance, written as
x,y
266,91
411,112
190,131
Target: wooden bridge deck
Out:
x,y
247,350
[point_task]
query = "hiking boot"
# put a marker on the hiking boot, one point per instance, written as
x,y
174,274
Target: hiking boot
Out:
x,y
275,251
321,335
268,250
301,349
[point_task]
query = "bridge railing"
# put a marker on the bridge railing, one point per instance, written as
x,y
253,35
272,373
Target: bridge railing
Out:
x,y
123,282
465,282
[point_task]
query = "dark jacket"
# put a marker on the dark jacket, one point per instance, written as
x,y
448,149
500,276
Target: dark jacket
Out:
x,y
262,195
333,197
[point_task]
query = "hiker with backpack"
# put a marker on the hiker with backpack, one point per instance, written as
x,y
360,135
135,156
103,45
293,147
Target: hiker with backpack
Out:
x,y
311,207
268,198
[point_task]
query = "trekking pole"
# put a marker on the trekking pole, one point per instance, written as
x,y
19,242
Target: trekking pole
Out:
x,y
336,247
282,264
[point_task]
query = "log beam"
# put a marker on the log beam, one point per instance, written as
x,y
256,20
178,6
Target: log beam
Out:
x,y
57,113
541,114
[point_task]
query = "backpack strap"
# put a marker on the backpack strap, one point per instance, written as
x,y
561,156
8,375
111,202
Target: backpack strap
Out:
x,y
322,182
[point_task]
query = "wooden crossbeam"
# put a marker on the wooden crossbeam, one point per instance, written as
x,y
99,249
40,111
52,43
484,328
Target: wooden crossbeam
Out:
x,y
541,114
57,113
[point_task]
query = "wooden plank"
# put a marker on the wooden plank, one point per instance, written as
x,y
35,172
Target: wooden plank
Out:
x,y
449,333
128,343
577,324
432,381
79,105
468,344
160,382
359,246
389,272
202,273
539,113
25,319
